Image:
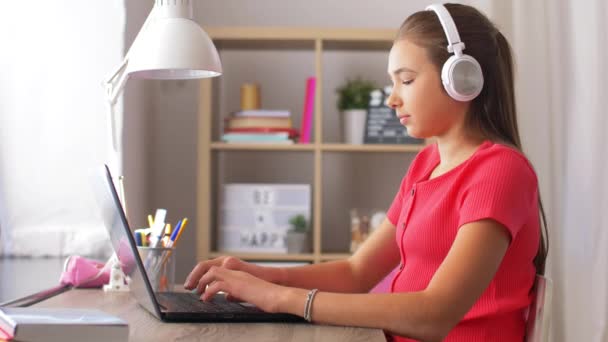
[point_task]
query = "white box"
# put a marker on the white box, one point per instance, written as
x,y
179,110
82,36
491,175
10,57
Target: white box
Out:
x,y
255,217
249,240
239,195
260,229
261,217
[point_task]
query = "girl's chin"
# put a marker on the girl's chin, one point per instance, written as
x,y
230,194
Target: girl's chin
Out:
x,y
412,132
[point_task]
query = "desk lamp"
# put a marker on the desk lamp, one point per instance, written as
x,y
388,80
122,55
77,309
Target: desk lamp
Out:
x,y
169,46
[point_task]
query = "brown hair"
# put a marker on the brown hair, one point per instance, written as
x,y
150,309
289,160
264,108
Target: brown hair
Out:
x,y
493,112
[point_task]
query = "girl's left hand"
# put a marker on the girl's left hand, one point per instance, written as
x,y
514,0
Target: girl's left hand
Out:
x,y
241,285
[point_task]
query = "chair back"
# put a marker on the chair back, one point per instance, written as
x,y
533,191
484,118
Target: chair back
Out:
x,y
539,312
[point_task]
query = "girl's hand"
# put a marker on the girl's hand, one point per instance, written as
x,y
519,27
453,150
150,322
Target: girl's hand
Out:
x,y
242,285
269,274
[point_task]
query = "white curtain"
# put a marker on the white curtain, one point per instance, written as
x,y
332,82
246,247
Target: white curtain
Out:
x,y
55,56
561,52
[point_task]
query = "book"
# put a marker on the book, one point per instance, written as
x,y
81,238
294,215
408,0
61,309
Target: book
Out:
x,y
255,137
61,324
307,112
291,131
249,122
277,142
263,113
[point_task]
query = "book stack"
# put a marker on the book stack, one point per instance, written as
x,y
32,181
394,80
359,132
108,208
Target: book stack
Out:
x,y
259,126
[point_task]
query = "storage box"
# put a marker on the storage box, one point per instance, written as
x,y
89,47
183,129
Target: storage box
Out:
x,y
239,195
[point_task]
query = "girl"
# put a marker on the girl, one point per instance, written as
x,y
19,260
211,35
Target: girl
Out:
x,y
463,228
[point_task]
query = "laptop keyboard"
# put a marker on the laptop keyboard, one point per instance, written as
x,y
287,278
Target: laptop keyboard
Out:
x,y
190,302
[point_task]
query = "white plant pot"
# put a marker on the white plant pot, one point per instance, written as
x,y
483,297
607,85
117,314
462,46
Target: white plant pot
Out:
x,y
297,243
354,125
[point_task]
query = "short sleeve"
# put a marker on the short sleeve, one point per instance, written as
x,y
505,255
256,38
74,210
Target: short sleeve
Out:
x,y
502,187
395,209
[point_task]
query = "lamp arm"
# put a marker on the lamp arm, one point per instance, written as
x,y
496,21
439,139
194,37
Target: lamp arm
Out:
x,y
116,82
113,87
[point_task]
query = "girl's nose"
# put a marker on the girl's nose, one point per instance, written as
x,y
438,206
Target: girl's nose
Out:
x,y
392,101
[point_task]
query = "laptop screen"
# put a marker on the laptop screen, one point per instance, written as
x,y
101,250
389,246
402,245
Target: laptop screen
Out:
x,y
123,242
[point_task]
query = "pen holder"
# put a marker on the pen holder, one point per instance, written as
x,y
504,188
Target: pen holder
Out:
x,y
159,263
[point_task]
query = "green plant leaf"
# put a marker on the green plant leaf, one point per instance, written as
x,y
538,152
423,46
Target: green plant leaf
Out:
x,y
298,224
355,94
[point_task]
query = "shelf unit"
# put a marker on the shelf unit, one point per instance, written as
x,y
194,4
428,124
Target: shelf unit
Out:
x,y
325,154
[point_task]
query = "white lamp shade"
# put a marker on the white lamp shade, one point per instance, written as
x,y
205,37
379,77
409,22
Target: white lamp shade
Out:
x,y
174,48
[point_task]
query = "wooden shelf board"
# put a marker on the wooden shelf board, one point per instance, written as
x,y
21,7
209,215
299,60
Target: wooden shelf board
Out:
x,y
282,257
267,256
262,147
243,33
371,148
324,147
334,256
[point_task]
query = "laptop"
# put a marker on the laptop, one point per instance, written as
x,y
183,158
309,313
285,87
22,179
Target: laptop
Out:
x,y
167,306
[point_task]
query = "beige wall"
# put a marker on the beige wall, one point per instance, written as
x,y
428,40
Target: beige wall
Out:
x,y
162,147
137,104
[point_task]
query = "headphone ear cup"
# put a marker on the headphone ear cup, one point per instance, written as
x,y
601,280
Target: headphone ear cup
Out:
x,y
462,77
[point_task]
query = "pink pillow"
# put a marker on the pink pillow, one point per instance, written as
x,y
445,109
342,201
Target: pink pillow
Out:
x,y
82,272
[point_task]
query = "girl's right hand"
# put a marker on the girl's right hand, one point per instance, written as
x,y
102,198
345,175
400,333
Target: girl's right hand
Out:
x,y
269,274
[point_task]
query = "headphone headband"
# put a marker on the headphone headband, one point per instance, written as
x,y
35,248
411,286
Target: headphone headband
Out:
x,y
461,74
449,27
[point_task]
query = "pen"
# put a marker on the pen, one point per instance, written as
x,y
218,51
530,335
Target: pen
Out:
x,y
181,229
138,239
164,239
150,221
177,232
173,236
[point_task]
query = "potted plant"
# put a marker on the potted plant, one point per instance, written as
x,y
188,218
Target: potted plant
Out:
x,y
353,100
297,235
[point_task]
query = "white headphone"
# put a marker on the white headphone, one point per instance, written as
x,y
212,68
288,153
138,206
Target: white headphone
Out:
x,y
461,74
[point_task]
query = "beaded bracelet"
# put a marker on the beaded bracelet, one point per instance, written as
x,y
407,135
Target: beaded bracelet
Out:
x,y
308,307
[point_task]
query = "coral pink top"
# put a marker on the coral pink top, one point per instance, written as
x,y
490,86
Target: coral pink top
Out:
x,y
496,182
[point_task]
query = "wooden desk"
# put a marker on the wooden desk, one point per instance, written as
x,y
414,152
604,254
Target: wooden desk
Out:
x,y
145,327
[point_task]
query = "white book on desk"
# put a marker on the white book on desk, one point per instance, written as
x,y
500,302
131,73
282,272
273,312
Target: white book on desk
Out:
x,y
61,324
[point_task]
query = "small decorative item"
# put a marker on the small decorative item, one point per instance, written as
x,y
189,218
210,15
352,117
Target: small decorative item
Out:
x,y
362,223
353,100
118,281
250,96
356,231
297,235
